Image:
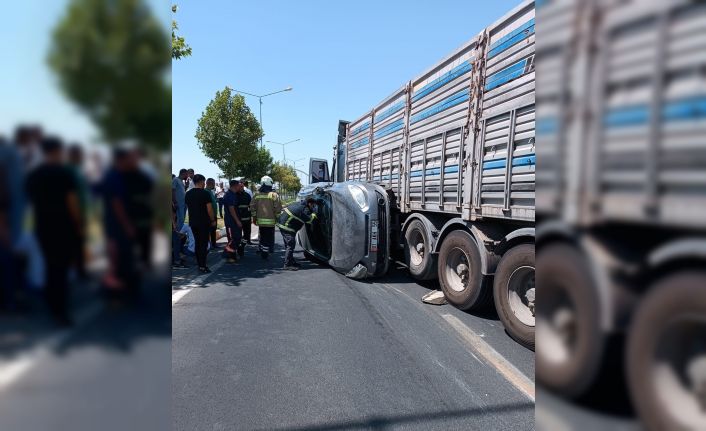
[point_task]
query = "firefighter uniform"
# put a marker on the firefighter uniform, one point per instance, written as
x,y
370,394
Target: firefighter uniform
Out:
x,y
289,222
243,200
265,207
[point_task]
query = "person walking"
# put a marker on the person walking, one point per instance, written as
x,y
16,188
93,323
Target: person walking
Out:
x,y
232,221
244,200
211,188
202,216
58,225
289,222
265,208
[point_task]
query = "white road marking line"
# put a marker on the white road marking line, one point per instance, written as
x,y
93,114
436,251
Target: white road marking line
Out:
x,y
196,282
492,357
15,368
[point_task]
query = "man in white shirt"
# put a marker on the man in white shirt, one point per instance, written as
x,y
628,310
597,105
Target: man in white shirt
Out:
x,y
190,180
247,189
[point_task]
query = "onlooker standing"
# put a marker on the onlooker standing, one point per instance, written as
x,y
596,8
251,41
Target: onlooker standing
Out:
x,y
220,193
202,216
246,189
244,200
232,220
139,200
211,187
76,159
178,193
189,183
265,208
53,192
177,260
120,228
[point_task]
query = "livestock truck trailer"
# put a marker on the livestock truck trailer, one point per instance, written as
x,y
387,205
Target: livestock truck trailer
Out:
x,y
455,150
621,204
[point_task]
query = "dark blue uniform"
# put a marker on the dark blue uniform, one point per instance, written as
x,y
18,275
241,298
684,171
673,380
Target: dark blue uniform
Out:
x,y
290,221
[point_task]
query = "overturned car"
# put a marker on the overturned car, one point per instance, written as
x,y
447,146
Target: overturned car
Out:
x,y
351,231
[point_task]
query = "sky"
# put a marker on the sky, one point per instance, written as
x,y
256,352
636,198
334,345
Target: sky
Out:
x,y
340,57
28,89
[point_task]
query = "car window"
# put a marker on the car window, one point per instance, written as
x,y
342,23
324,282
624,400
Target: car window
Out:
x,y
319,232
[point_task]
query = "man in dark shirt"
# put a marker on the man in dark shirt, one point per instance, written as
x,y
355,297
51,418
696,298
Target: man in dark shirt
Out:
x,y
139,187
120,228
244,215
53,192
202,216
232,221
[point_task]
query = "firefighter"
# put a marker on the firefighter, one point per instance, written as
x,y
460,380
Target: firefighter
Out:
x,y
243,200
290,221
265,208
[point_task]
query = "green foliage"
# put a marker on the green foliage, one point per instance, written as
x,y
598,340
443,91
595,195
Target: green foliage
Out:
x,y
286,176
111,59
228,133
179,46
257,166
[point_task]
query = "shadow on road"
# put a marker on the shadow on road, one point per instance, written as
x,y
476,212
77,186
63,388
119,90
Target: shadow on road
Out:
x,y
421,419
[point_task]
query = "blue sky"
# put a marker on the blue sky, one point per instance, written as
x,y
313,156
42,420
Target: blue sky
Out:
x,y
341,58
28,88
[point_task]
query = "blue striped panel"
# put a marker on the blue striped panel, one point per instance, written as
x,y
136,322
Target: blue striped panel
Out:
x,y
685,110
524,160
494,164
450,101
547,126
360,143
443,79
433,171
391,110
517,35
625,117
506,75
390,128
360,128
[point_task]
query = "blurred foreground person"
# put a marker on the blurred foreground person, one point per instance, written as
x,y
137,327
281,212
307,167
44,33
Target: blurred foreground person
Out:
x,y
120,229
202,216
265,208
76,159
11,210
293,218
54,195
140,187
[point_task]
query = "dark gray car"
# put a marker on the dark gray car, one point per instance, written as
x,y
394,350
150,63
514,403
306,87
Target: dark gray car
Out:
x,y
351,232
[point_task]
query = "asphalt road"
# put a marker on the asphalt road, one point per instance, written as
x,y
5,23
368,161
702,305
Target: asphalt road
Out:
x,y
259,348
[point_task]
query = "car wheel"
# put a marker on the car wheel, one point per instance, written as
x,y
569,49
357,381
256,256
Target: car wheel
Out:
x,y
514,293
418,254
666,354
571,343
460,272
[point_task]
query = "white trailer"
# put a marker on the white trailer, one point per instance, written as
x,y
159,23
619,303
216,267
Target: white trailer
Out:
x,y
455,149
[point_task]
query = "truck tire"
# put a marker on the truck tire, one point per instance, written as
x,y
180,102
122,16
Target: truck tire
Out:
x,y
571,343
418,254
514,293
460,272
666,354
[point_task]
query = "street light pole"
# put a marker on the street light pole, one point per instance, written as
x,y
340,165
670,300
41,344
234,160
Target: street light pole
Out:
x,y
260,100
283,144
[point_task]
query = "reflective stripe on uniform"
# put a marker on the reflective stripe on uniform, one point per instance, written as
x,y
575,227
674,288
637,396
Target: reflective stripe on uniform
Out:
x,y
288,229
244,206
311,219
265,222
245,218
292,215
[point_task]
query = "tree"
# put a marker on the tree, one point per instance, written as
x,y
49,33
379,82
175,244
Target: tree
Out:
x,y
286,176
228,132
111,59
260,164
179,46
